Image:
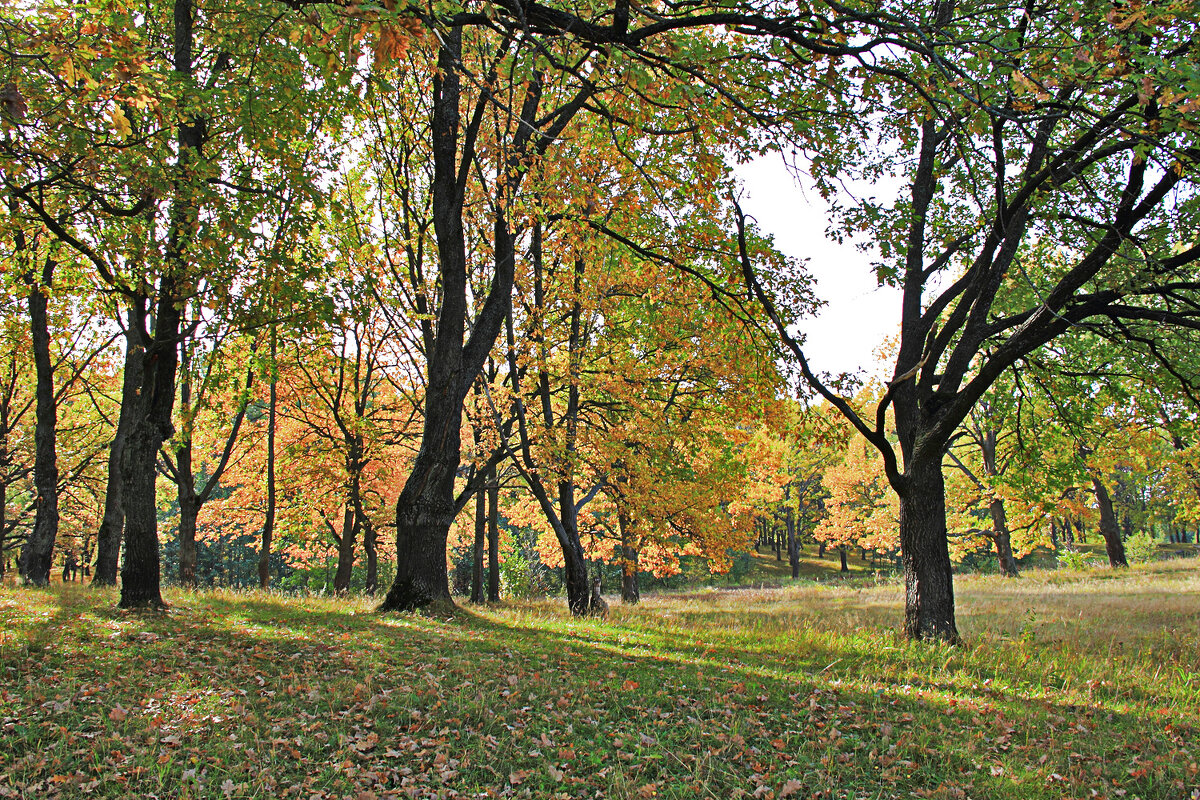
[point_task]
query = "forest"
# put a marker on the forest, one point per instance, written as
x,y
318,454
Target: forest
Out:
x,y
451,307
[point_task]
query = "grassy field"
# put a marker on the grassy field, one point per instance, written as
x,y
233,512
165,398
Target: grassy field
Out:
x,y
1070,685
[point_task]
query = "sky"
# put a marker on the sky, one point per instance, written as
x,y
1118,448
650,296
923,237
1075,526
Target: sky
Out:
x,y
858,315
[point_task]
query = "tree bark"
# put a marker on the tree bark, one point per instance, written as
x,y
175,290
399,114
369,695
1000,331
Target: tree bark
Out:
x,y
631,592
1108,526
38,552
793,541
425,507
185,478
345,559
925,555
493,533
371,549
268,530
108,538
1003,539
477,550
842,558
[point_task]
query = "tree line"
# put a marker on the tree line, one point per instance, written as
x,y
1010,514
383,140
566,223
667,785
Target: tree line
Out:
x,y
479,239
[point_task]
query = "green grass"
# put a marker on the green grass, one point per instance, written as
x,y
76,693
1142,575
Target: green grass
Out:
x,y
1070,684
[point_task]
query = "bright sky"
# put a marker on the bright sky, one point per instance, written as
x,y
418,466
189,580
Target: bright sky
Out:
x,y
858,315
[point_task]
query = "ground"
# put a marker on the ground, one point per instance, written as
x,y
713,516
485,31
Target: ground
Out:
x,y
1070,685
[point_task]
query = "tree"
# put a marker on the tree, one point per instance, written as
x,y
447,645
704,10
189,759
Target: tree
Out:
x,y
1042,160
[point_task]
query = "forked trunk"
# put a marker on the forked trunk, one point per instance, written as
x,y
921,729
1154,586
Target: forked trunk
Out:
x,y
925,555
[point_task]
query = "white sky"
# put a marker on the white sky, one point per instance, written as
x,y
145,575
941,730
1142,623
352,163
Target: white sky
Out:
x,y
858,314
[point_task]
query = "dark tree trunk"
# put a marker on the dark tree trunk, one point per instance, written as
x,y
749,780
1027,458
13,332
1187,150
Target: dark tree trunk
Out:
x,y
189,512
189,505
38,552
925,554
371,548
1054,534
151,422
1003,540
425,508
477,550
345,559
630,589
820,549
793,543
842,558
108,539
268,531
1108,526
493,578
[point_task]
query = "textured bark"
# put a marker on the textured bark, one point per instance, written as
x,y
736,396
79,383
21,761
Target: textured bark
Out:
x,y
928,575
38,552
425,507
1108,526
842,559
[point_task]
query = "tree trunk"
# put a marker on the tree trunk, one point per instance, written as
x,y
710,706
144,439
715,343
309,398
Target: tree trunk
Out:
x,y
477,550
189,506
140,573
842,558
425,508
1108,526
108,539
493,578
189,512
1003,540
630,589
925,555
268,531
38,552
345,559
371,548
793,543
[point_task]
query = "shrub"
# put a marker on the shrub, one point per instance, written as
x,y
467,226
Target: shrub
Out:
x,y
1141,548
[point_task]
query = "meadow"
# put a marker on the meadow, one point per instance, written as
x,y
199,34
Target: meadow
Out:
x,y
1070,684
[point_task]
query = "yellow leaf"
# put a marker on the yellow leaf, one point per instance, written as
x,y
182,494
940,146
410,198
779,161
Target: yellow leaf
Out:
x,y
69,72
120,122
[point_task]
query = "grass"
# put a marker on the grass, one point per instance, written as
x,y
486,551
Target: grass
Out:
x,y
1071,685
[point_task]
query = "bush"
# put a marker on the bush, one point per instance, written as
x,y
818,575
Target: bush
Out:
x,y
1141,548
1073,559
